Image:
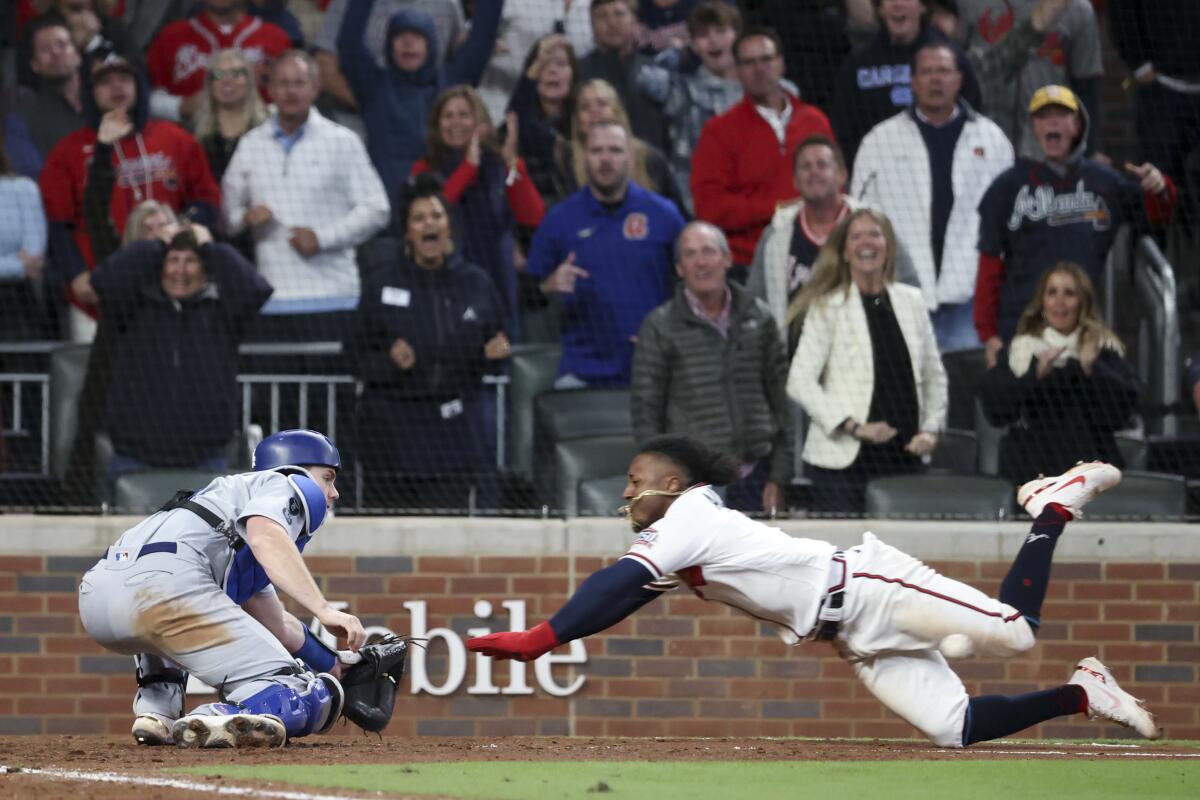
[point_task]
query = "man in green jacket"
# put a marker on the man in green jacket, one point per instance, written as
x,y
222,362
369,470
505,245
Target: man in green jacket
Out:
x,y
710,363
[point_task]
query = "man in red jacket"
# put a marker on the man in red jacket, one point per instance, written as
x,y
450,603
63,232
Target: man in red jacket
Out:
x,y
94,177
742,165
178,57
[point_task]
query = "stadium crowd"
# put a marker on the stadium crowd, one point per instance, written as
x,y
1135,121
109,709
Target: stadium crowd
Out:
x,y
769,220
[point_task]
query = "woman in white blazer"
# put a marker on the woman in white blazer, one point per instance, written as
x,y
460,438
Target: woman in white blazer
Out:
x,y
867,369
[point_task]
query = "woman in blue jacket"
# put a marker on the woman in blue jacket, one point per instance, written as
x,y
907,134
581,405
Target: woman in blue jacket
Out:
x,y
431,326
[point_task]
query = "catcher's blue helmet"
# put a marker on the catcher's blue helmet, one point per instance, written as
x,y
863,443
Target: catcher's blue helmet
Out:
x,y
297,447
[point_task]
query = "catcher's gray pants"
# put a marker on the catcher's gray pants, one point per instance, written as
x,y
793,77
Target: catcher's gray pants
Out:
x,y
166,606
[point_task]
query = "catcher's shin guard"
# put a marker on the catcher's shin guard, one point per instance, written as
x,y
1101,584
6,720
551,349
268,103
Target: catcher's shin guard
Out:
x,y
308,710
161,687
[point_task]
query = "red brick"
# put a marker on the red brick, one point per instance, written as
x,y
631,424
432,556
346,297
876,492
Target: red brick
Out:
x,y
79,686
104,705
1089,590
597,727
697,647
507,565
329,565
635,727
664,667
1101,632
448,564
62,604
49,705
1183,652
1130,653
831,668
553,565
539,705
1134,612
959,570
539,585
1070,612
75,645
478,586
699,687
1066,652
627,687
728,626
1189,612
586,565
1166,591
1134,572
23,603
697,727
47,665
22,564
8,583
682,604
827,728
759,727
24,685
822,690
1184,572
760,689
1179,693
416,586
851,709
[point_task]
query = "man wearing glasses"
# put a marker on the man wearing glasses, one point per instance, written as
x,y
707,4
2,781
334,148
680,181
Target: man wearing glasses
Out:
x,y
742,164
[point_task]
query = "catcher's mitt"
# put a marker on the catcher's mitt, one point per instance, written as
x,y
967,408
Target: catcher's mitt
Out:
x,y
370,685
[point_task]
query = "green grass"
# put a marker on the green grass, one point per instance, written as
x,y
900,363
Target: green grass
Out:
x,y
894,780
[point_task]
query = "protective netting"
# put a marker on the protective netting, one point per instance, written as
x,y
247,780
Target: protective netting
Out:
x,y
468,263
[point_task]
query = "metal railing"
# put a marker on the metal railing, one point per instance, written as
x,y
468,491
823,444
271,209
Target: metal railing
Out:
x,y
15,428
1158,330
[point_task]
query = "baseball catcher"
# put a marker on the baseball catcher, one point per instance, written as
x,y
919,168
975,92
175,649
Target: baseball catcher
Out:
x,y
891,617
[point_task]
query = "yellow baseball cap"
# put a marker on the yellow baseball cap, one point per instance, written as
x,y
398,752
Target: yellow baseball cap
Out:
x,y
1053,95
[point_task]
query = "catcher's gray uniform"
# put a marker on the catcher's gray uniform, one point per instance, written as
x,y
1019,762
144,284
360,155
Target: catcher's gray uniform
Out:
x,y
171,589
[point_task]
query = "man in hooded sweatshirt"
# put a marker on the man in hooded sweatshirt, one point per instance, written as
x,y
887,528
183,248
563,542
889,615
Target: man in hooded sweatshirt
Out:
x,y
151,159
1061,207
395,100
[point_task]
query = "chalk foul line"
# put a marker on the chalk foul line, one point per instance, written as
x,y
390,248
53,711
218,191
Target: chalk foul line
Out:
x,y
168,783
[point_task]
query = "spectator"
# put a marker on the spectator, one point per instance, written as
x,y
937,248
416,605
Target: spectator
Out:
x,y
429,326
145,18
178,58
23,156
1069,55
710,363
180,306
688,101
140,158
55,109
524,24
742,164
229,107
787,251
543,103
662,24
867,370
596,102
1165,67
934,199
147,221
814,39
22,254
1059,206
617,60
447,19
1063,387
487,186
396,100
276,12
874,82
305,188
606,251
94,32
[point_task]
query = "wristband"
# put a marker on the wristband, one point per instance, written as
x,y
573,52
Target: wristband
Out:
x,y
315,654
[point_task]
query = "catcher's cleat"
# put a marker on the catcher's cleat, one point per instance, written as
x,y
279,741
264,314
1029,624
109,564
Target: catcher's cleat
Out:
x,y
229,730
1072,490
151,730
1107,700
337,701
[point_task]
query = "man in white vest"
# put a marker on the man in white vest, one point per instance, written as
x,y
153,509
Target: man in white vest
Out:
x,y
927,168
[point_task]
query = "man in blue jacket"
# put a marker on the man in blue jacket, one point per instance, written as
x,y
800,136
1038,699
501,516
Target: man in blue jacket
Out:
x,y
606,250
396,100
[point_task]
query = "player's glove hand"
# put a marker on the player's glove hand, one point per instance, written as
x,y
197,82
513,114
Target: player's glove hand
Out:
x,y
521,645
370,684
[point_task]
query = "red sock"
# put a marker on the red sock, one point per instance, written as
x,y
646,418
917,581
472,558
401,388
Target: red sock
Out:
x,y
1060,510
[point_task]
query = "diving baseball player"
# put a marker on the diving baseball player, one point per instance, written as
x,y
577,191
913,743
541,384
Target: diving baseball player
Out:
x,y
893,618
191,589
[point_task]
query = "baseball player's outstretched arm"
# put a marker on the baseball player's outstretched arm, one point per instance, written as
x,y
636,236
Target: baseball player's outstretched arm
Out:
x,y
277,554
607,597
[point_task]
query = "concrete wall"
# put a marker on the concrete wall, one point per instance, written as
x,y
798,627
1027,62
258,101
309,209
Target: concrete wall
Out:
x,y
1127,593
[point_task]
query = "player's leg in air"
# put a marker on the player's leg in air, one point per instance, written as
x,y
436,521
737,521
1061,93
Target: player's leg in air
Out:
x,y
905,619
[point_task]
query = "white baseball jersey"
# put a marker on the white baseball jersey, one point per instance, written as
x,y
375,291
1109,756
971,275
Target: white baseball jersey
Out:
x,y
729,558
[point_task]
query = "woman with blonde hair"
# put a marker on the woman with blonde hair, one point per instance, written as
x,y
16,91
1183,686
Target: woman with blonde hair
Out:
x,y
867,369
229,107
597,101
1063,387
487,186
147,220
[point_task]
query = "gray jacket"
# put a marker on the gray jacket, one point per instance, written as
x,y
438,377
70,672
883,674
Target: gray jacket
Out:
x,y
728,392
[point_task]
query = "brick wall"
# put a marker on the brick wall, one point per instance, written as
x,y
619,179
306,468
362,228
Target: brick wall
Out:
x,y
679,667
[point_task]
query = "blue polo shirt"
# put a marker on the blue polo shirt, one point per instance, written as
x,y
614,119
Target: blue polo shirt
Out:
x,y
629,256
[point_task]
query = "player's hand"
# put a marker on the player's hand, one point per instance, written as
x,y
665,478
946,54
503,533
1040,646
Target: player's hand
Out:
x,y
991,350
114,125
258,215
343,625
1149,176
773,498
875,432
304,241
509,150
81,287
562,280
922,444
521,645
497,347
402,354
1046,360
